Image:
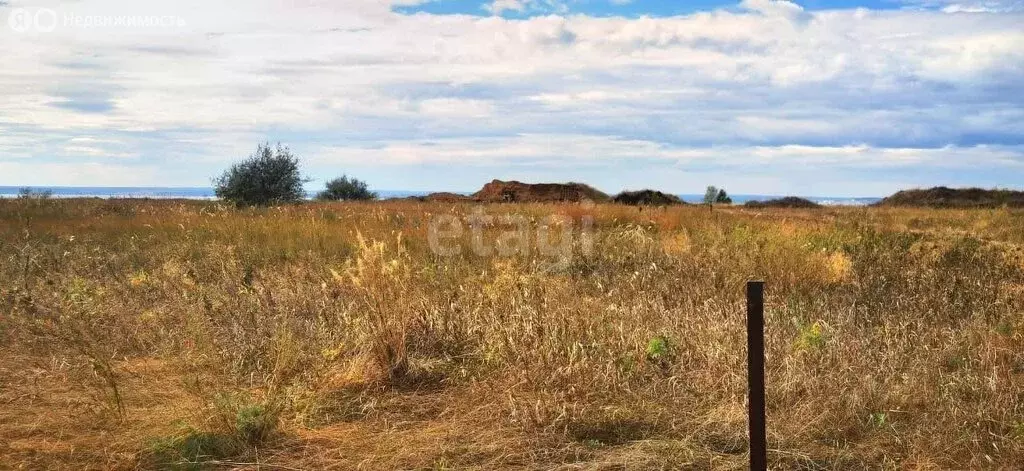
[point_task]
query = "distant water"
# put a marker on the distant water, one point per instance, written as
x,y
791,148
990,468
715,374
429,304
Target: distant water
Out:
x,y
193,193
822,200
197,193
113,192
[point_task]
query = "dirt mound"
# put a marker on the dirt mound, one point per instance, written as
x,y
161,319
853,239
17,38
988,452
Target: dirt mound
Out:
x,y
647,197
787,202
518,192
442,197
445,197
943,197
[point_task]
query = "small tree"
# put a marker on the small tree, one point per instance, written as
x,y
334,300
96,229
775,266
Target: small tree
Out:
x,y
714,195
711,195
723,197
345,189
269,176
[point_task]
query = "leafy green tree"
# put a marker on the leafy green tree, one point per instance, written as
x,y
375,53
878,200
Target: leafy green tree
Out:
x,y
723,197
346,189
269,176
715,195
711,195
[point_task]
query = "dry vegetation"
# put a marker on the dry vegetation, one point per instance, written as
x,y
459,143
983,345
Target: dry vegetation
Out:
x,y
163,334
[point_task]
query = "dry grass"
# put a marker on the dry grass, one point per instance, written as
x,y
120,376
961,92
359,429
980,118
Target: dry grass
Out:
x,y
149,334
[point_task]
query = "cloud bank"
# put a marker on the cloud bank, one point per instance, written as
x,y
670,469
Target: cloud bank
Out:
x,y
748,96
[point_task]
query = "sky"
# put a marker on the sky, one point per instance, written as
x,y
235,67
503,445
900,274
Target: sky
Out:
x,y
819,97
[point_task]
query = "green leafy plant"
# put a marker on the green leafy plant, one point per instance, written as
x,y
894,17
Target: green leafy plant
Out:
x,y
809,336
659,351
877,419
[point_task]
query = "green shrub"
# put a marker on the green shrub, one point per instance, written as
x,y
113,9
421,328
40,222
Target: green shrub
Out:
x,y
345,189
244,424
269,176
249,420
190,449
254,423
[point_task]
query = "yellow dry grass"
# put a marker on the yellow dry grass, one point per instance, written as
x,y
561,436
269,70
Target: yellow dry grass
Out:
x,y
162,334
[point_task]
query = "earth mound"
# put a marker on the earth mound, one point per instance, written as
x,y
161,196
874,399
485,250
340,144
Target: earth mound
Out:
x,y
518,192
446,197
787,202
647,197
944,197
441,197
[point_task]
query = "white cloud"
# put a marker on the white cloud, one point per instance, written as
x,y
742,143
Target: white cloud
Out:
x,y
497,7
978,6
773,7
355,79
500,6
22,173
454,107
570,150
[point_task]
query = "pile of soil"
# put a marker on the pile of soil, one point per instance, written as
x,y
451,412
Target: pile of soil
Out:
x,y
943,197
442,197
787,202
445,197
518,192
647,197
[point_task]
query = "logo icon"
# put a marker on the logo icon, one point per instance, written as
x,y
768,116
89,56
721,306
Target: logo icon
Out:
x,y
43,20
19,20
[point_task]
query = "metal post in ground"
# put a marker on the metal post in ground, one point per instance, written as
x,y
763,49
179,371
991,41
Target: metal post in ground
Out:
x,y
755,376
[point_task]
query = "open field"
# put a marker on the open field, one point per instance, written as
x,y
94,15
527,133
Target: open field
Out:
x,y
154,334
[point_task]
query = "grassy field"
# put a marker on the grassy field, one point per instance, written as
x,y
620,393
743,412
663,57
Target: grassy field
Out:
x,y
160,334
